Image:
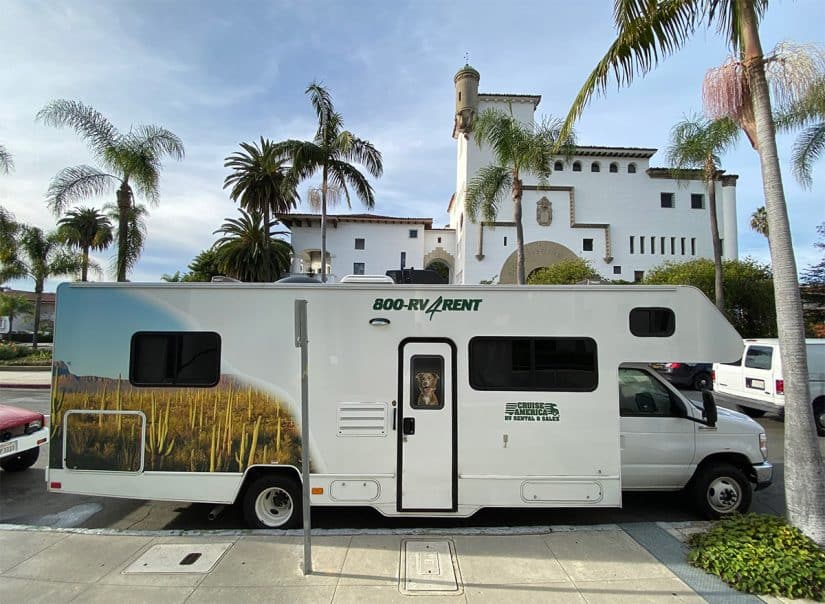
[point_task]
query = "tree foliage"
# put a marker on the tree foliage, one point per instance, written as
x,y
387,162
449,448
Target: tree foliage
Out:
x,y
749,302
248,250
566,272
813,290
202,268
6,161
85,229
14,305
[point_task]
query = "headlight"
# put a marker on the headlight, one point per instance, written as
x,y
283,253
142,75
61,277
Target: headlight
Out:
x,y
34,426
763,444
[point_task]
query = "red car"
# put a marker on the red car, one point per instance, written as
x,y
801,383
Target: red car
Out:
x,y
22,432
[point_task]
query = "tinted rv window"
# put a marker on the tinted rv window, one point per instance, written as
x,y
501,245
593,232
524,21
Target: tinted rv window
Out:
x,y
542,364
759,357
188,358
652,322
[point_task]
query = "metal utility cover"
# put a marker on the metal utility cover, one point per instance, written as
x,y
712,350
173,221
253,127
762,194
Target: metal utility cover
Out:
x,y
179,558
427,567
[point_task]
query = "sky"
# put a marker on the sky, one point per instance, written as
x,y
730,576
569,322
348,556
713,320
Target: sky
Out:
x,y
218,74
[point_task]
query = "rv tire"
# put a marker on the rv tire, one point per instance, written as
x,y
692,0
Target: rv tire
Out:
x,y
273,501
721,489
20,461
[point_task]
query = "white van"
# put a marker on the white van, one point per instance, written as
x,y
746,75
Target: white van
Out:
x,y
424,400
756,385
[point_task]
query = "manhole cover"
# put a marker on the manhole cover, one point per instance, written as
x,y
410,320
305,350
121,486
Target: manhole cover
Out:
x,y
179,558
427,567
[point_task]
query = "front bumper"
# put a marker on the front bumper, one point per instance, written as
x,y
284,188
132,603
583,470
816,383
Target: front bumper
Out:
x,y
764,474
24,442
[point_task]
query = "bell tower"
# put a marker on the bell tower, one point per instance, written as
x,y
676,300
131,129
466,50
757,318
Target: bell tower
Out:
x,y
466,99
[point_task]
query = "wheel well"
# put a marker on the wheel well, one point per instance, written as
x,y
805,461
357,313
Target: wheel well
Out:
x,y
735,459
255,472
820,400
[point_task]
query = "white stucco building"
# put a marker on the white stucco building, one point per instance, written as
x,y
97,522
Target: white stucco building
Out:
x,y
605,204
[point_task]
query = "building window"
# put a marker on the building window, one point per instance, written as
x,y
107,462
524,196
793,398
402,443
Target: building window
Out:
x,y
631,168
617,270
538,364
693,246
403,259
673,246
505,241
175,358
587,245
661,245
683,246
595,167
439,240
667,200
614,168
577,166
632,240
641,245
652,245
414,233
638,276
697,201
359,244
652,322
357,268
558,166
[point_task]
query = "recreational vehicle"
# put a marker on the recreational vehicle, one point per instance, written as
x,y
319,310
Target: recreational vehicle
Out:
x,y
423,400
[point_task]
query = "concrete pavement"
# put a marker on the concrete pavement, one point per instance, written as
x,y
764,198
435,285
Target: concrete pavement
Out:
x,y
36,377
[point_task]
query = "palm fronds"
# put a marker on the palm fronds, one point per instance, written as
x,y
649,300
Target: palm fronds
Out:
x,y
90,124
6,161
79,182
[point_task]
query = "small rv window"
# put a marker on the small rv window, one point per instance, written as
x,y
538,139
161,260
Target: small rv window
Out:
x,y
759,357
652,322
183,358
427,388
540,364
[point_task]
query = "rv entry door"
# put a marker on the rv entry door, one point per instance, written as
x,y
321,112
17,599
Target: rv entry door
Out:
x,y
426,427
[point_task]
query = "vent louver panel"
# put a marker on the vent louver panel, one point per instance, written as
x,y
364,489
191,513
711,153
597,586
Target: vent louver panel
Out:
x,y
362,419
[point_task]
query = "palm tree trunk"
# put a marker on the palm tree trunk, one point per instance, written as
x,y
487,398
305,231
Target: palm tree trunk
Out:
x,y
38,298
84,269
124,204
324,226
717,244
520,278
804,478
270,276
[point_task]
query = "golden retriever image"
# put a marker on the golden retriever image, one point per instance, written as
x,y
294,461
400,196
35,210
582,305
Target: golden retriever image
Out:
x,y
427,382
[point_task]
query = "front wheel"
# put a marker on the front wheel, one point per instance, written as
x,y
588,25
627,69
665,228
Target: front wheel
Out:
x,y
721,490
702,382
20,461
273,501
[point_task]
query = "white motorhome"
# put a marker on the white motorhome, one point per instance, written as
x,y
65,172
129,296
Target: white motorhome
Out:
x,y
424,400
755,383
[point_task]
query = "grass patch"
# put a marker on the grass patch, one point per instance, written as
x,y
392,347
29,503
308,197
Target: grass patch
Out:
x,y
761,554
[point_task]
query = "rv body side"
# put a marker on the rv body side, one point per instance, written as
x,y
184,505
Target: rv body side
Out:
x,y
424,400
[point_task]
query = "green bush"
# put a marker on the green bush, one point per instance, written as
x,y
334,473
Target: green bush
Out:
x,y
761,554
16,355
566,272
10,351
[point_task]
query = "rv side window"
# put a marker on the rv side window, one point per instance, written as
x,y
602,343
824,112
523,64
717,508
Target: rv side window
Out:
x,y
652,322
184,358
541,364
759,357
428,383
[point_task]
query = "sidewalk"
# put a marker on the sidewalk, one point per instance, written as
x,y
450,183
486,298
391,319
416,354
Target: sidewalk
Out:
x,y
39,377
591,564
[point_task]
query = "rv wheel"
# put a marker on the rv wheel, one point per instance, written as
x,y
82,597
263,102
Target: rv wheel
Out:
x,y
721,490
20,461
273,502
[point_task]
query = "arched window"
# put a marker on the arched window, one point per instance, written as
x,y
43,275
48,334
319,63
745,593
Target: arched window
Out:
x,y
577,166
614,167
558,166
595,167
631,168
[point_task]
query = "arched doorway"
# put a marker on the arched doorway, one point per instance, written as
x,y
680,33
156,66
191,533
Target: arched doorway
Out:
x,y
440,267
537,254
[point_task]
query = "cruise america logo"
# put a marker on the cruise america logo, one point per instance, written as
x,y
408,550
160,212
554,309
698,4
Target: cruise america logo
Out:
x,y
429,307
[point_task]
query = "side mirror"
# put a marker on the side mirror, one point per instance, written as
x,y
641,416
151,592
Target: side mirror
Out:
x,y
710,408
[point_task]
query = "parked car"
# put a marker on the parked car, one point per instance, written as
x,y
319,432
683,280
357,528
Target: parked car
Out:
x,y
686,375
22,433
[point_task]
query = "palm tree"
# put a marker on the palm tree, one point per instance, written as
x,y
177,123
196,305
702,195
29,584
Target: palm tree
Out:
x,y
248,251
131,162
135,221
330,151
807,112
697,142
759,221
14,304
9,231
519,149
86,229
650,30
6,162
42,257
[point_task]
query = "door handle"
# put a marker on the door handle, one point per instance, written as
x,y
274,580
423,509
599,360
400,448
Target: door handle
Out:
x,y
408,426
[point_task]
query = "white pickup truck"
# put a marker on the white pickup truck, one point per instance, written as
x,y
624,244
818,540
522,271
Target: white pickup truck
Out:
x,y
756,385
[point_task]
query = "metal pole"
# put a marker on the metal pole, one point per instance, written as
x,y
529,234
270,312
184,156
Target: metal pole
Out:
x,y
302,342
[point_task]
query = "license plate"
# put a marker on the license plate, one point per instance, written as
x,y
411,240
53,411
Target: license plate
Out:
x,y
9,447
754,383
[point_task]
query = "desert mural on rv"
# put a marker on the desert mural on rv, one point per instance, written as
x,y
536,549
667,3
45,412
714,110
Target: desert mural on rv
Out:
x,y
112,425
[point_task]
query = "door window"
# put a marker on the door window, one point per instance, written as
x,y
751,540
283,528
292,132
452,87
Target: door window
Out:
x,y
759,357
427,387
642,395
